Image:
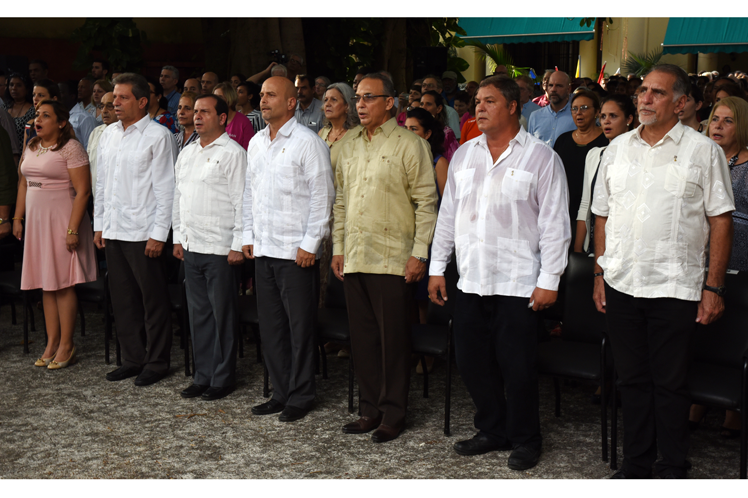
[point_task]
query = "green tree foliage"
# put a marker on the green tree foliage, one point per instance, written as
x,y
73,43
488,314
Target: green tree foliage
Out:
x,y
640,64
118,40
497,55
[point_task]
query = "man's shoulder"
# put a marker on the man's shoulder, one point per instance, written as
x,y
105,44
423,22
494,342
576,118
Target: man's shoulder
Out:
x,y
156,129
231,147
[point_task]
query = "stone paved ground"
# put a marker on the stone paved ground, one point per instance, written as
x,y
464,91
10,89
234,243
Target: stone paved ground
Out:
x,y
72,423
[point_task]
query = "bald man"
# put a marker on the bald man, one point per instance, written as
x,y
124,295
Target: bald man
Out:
x,y
288,198
209,82
555,119
192,85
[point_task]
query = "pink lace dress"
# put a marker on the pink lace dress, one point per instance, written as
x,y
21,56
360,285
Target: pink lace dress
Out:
x,y
47,264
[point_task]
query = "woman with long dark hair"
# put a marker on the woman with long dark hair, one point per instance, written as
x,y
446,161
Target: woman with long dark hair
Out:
x,y
18,102
58,252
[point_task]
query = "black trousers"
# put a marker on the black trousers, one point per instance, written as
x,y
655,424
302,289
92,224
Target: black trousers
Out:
x,y
212,302
496,347
379,309
651,340
287,298
142,309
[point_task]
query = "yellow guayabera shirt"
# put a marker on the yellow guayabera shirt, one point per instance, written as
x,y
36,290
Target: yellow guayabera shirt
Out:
x,y
385,204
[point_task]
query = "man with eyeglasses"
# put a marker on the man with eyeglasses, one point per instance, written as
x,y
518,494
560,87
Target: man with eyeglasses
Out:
x,y
108,117
385,213
553,120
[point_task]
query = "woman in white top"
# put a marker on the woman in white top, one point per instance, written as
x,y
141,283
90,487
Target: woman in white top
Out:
x,y
616,115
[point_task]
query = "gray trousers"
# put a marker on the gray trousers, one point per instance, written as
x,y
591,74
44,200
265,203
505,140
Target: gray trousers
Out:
x,y
287,297
142,309
212,303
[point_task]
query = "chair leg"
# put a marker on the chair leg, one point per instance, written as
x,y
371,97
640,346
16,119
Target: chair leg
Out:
x,y
241,343
603,405
187,355
613,399
31,317
744,423
25,322
425,377
258,346
448,396
265,383
83,319
118,351
557,392
107,331
350,385
324,361
13,313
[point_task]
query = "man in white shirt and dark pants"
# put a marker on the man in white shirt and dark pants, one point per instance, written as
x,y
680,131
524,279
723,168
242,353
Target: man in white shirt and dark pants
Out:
x,y
207,223
505,212
663,193
132,216
287,204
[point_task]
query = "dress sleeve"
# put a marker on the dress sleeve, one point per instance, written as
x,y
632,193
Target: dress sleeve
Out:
x,y
75,155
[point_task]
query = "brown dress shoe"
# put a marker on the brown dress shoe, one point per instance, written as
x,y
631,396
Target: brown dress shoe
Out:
x,y
362,425
385,433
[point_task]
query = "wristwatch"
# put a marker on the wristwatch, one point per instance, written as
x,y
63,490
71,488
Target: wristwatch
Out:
x,y
720,291
422,260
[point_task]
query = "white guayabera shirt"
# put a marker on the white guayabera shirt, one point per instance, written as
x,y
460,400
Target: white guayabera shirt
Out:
x,y
508,221
289,192
207,213
657,200
135,181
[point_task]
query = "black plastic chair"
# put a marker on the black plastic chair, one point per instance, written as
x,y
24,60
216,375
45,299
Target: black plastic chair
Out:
x,y
10,289
718,376
582,353
434,338
97,292
332,326
178,300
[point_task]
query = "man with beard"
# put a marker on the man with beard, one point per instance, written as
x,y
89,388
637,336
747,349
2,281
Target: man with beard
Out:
x,y
553,120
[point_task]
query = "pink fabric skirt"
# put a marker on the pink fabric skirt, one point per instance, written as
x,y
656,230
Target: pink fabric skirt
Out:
x,y
47,264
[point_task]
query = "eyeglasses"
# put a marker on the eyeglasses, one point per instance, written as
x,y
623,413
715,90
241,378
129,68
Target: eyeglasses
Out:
x,y
105,106
582,108
368,98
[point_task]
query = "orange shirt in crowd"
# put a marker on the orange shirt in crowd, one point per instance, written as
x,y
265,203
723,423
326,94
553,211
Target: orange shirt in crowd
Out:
x,y
469,131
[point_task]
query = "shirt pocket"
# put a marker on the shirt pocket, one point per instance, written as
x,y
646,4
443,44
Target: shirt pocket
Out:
x,y
210,173
682,181
464,183
286,177
514,257
516,184
390,173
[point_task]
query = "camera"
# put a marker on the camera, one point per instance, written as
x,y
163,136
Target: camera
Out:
x,y
277,56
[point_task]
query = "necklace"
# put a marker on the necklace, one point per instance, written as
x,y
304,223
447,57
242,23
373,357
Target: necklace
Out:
x,y
43,149
733,160
340,134
19,113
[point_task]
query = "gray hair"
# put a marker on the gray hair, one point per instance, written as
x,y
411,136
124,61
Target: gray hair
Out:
x,y
174,71
138,83
346,91
324,79
387,84
279,70
439,83
682,85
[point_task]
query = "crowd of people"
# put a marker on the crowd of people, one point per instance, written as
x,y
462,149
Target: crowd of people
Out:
x,y
314,180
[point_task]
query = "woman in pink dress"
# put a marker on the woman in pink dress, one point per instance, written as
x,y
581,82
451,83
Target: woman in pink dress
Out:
x,y
58,252
238,126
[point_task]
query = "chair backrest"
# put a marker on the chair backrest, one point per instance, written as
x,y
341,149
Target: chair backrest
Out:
x,y
723,342
335,294
582,321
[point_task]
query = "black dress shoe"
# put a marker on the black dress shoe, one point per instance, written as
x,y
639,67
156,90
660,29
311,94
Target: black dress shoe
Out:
x,y
214,393
385,433
193,391
362,425
268,408
122,373
625,473
291,414
479,445
523,457
148,377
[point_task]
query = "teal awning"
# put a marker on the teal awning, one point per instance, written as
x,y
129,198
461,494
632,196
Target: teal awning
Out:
x,y
525,29
689,35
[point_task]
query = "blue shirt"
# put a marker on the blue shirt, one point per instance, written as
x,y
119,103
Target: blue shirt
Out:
x,y
529,108
546,125
173,99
